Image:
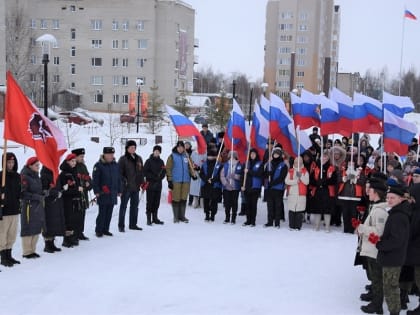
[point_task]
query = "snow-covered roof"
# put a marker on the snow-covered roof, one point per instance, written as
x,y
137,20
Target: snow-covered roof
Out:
x,y
198,101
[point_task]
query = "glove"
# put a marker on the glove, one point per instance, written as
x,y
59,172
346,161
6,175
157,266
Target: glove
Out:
x,y
105,189
80,189
65,187
170,185
144,186
355,223
194,177
373,238
352,176
298,174
344,178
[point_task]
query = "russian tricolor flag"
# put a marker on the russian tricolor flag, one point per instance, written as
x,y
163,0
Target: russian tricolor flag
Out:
x,y
235,135
265,107
305,110
368,114
330,118
259,131
409,15
398,133
345,111
399,105
185,128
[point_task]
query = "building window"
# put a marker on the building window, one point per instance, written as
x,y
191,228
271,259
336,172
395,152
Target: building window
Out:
x,y
300,73
96,25
56,24
56,78
286,38
33,23
303,16
73,51
283,84
115,62
98,98
33,42
44,24
124,80
301,51
72,33
33,59
284,61
115,80
55,44
116,98
124,44
73,85
73,68
33,95
303,27
96,62
142,44
72,8
32,77
97,80
96,43
140,62
287,15
125,62
302,39
140,26
125,25
125,99
300,85
115,25
284,73
300,62
285,50
56,60
286,27
114,43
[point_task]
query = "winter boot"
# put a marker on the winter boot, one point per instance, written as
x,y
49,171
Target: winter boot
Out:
x,y
416,311
233,220
243,209
9,254
227,218
372,308
212,216
195,202
5,259
404,299
367,297
155,219
327,221
175,210
207,218
49,247
316,219
67,242
182,207
56,249
74,240
149,218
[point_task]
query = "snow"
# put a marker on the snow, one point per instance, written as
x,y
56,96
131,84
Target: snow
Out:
x,y
195,268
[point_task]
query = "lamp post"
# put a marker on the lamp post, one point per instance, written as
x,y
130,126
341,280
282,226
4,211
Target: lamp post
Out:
x,y
46,40
139,83
264,87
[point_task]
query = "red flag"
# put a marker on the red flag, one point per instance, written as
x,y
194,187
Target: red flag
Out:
x,y
23,123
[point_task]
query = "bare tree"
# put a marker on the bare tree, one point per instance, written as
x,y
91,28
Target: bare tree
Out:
x,y
155,109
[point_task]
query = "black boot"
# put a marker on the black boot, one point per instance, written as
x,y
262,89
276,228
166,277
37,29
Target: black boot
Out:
x,y
367,297
67,242
227,217
56,249
149,218
207,218
9,254
243,209
233,220
74,240
155,219
404,299
182,208
49,247
372,308
5,259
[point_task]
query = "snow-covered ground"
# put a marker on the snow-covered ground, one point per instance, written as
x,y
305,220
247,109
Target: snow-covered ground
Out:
x,y
195,268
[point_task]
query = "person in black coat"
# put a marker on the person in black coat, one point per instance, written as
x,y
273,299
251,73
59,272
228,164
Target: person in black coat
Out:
x,y
392,246
72,200
54,212
107,186
9,212
132,176
211,187
155,172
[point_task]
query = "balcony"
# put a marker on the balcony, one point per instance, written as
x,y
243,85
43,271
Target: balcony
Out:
x,y
196,43
196,59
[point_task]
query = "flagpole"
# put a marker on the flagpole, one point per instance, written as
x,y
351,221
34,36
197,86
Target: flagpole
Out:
x,y
401,56
3,175
322,154
298,148
218,156
418,152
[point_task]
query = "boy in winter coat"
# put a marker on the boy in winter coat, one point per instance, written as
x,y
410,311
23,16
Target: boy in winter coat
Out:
x,y
106,182
155,172
297,180
9,213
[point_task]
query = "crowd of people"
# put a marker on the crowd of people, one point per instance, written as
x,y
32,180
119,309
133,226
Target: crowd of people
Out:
x,y
342,182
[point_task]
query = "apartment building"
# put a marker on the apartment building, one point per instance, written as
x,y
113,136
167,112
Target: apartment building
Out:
x,y
104,46
2,42
301,45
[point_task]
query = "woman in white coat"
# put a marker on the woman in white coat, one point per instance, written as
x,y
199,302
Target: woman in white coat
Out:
x,y
297,181
373,226
195,186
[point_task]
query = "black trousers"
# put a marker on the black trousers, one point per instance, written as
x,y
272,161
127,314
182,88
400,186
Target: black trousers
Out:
x,y
152,200
275,206
349,211
210,206
251,206
295,219
230,201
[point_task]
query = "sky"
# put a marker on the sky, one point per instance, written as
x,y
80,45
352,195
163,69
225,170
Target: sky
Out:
x,y
232,32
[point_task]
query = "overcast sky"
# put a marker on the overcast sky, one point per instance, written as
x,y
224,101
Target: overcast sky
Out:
x,y
231,34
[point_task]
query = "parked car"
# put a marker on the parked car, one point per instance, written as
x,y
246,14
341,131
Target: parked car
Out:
x,y
200,119
127,118
90,115
75,118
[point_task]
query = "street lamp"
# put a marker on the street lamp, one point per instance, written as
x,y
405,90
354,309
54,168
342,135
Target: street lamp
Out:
x,y
46,40
139,83
264,87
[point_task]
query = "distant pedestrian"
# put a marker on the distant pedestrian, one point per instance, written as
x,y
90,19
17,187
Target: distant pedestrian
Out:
x,y
106,182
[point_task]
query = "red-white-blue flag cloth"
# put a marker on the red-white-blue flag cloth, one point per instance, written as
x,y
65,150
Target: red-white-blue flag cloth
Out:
x,y
259,131
265,107
398,105
305,110
303,140
409,15
330,119
235,135
23,123
368,114
345,111
185,128
398,133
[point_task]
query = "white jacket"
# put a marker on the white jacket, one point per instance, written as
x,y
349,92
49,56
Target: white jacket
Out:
x,y
374,223
296,202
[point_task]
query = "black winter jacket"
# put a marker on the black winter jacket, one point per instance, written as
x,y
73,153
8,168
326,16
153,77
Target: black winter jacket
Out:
x,y
392,248
131,171
12,191
155,172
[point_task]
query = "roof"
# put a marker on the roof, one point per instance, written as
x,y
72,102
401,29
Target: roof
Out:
x,y
198,101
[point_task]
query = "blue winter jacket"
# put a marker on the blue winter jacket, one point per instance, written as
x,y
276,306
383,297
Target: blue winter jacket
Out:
x,y
106,181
